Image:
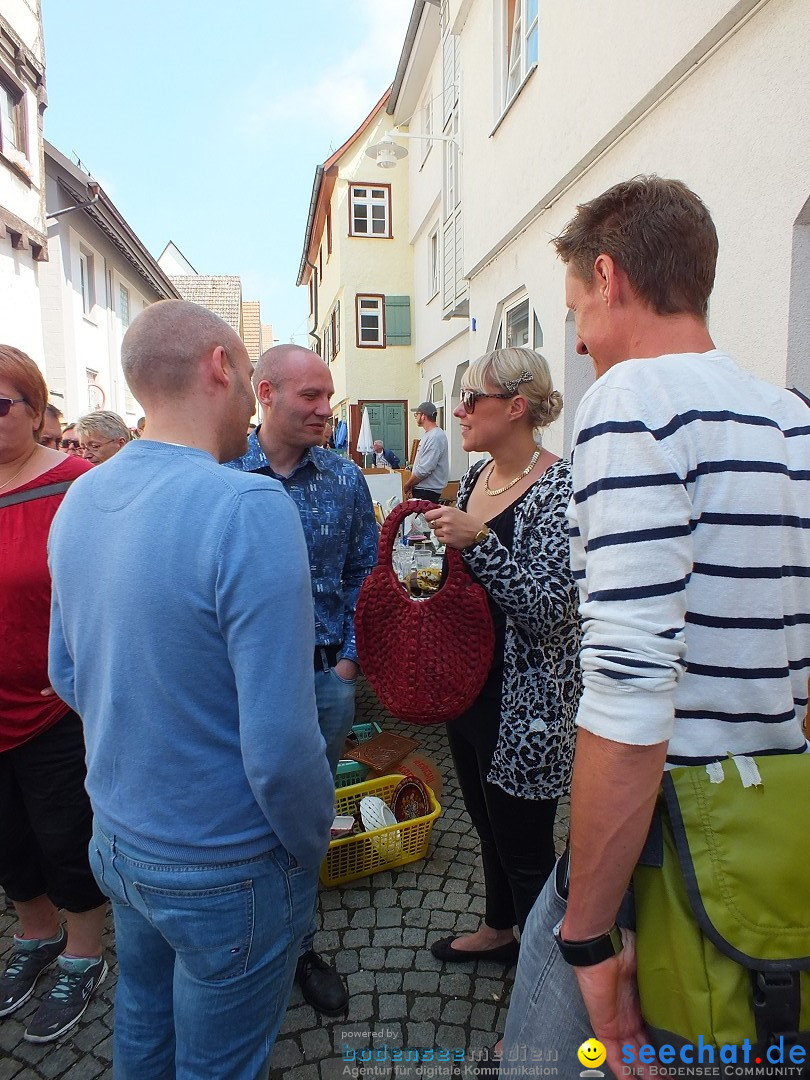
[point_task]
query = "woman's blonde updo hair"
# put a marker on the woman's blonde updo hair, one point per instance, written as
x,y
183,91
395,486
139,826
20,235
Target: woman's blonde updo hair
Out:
x,y
522,370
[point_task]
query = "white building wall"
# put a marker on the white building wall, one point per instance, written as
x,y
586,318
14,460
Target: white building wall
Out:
x,y
21,181
75,342
714,93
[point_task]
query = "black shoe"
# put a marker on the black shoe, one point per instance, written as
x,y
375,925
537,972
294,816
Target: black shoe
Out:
x,y
501,954
321,985
25,965
67,1001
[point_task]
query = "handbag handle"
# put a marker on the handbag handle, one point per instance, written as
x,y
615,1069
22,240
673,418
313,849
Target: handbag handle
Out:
x,y
388,533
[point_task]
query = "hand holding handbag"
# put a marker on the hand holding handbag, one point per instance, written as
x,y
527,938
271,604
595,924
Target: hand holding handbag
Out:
x,y
427,660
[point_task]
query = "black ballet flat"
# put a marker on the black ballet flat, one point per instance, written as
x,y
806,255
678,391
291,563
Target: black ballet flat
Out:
x,y
502,954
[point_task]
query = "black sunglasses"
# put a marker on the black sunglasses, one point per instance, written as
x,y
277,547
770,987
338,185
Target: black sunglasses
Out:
x,y
66,443
469,398
7,402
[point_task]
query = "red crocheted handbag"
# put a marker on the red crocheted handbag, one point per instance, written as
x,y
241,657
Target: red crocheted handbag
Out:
x,y
427,660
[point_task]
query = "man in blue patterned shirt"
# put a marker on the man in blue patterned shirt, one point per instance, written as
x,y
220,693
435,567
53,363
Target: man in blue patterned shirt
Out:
x,y
294,388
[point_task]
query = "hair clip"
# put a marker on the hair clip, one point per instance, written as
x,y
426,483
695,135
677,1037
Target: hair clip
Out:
x,y
513,384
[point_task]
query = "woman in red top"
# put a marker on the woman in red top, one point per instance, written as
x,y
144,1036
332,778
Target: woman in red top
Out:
x,y
45,817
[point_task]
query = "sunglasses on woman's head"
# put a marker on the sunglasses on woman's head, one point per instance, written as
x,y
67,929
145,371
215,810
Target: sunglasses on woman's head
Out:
x,y
7,402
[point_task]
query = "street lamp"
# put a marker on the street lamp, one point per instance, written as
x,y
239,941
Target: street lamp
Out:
x,y
387,153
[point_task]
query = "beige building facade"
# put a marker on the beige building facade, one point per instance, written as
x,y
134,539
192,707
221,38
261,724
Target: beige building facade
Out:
x,y
357,266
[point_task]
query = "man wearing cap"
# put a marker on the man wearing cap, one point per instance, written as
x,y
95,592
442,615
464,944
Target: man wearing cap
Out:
x,y
431,469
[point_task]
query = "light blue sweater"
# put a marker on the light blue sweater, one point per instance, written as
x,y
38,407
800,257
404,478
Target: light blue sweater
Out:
x,y
182,633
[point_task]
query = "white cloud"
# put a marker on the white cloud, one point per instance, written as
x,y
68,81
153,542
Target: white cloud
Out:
x,y
344,92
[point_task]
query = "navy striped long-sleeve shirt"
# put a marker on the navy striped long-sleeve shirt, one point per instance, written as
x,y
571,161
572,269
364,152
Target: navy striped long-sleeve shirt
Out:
x,y
690,542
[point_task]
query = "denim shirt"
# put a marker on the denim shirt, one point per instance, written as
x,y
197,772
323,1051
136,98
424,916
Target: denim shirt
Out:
x,y
341,532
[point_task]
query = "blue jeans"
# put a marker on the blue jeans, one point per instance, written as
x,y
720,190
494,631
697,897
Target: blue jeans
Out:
x,y
335,700
206,958
546,1011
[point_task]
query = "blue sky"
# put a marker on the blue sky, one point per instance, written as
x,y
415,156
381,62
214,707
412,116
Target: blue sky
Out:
x,y
204,121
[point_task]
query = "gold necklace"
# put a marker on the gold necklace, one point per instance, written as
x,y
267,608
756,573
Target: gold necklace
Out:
x,y
511,484
17,473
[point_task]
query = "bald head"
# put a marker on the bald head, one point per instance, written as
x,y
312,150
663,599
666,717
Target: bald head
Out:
x,y
161,348
280,363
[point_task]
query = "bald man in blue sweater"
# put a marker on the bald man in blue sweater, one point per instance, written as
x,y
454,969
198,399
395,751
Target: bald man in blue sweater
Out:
x,y
188,652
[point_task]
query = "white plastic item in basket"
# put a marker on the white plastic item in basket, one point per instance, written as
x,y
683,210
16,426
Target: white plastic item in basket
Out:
x,y
375,814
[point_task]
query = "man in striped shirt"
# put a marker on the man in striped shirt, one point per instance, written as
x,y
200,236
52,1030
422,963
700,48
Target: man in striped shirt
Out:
x,y
689,537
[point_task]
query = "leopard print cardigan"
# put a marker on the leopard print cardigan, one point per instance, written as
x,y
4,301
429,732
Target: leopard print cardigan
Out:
x,y
534,588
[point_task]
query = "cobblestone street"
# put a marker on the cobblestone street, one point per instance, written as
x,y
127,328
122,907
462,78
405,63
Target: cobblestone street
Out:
x,y
376,930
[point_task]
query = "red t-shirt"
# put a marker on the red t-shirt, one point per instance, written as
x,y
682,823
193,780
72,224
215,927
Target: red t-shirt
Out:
x,y
25,609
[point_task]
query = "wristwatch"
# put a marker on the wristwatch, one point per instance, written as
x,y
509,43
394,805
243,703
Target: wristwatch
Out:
x,y
482,534
593,950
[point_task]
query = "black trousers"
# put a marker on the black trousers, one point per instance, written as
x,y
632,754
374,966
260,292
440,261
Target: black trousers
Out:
x,y
46,820
517,835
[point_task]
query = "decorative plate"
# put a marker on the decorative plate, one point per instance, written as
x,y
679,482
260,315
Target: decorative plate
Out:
x,y
411,799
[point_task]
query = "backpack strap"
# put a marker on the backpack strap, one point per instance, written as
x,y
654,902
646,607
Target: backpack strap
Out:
x,y
17,497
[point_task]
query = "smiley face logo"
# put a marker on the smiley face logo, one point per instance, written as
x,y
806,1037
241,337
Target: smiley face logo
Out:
x,y
591,1054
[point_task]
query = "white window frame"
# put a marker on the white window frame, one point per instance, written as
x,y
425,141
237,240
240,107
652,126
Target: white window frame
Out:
x,y
434,262
521,45
369,304
124,306
427,124
370,201
87,289
436,395
14,146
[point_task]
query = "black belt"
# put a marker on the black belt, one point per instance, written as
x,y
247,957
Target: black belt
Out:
x,y
330,653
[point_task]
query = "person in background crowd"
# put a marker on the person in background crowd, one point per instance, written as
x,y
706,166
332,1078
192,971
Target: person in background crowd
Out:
x,y
101,435
51,434
294,388
70,442
45,816
328,435
384,459
431,469
689,540
140,427
206,769
514,747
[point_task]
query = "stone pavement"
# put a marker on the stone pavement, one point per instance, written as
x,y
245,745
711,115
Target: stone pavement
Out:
x,y
377,930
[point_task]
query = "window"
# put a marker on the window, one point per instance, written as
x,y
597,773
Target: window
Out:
x,y
328,231
320,264
312,293
370,311
86,284
514,328
331,335
13,133
521,39
336,329
123,305
434,266
370,210
427,123
436,395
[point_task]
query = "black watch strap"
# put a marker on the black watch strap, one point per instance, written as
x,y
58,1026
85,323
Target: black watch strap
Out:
x,y
590,952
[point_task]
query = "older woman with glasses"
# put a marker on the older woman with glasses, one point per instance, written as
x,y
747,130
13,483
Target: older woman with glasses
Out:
x,y
101,435
45,817
513,748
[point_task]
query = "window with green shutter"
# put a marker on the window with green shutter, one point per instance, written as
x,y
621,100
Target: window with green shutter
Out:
x,y
397,320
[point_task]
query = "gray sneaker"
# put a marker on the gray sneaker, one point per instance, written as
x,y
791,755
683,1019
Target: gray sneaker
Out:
x,y
25,965
65,1004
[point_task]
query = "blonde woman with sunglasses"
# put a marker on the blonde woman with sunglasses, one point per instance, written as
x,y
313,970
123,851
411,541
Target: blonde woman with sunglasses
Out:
x,y
513,748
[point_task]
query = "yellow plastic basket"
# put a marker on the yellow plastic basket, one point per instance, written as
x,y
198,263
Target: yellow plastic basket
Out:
x,y
353,857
